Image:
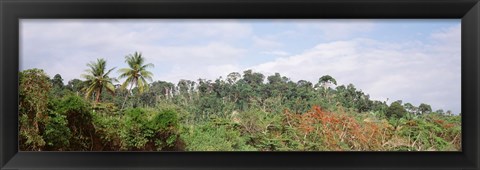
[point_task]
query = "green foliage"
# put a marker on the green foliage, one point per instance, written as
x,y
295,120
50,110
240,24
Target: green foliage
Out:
x,y
108,127
432,132
396,110
262,128
58,88
134,132
57,134
214,137
74,104
75,85
30,139
57,81
34,90
326,79
424,108
149,129
106,108
164,120
79,117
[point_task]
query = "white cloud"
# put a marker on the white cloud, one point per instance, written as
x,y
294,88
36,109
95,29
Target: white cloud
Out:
x,y
412,71
276,53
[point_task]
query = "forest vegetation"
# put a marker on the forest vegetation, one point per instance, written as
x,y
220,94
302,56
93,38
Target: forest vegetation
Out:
x,y
245,111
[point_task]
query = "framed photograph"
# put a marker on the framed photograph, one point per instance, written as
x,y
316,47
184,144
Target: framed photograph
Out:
x,y
239,84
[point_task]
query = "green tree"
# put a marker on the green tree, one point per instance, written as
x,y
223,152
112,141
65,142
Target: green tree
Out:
x,y
440,111
57,81
254,87
97,79
75,85
233,77
424,108
163,88
58,88
449,112
276,85
410,108
304,88
136,74
33,90
325,82
185,87
252,78
396,110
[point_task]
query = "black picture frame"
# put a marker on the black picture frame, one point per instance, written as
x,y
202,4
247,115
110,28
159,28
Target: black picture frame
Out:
x,y
13,10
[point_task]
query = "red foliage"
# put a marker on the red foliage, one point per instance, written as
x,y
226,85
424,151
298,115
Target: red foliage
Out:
x,y
336,130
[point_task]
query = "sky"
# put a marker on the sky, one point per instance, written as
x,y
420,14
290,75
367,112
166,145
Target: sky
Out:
x,y
416,61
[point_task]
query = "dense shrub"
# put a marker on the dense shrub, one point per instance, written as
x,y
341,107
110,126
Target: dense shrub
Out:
x,y
79,118
262,128
57,135
149,129
214,137
134,131
108,128
431,132
33,90
396,110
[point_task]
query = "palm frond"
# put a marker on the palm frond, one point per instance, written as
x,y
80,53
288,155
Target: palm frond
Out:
x,y
140,85
126,83
144,84
108,72
149,65
110,88
90,90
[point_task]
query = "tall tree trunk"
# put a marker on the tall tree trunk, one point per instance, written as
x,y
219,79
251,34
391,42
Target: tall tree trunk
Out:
x,y
126,96
166,93
99,92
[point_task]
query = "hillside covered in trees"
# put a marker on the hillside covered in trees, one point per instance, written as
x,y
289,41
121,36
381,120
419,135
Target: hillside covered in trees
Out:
x,y
245,111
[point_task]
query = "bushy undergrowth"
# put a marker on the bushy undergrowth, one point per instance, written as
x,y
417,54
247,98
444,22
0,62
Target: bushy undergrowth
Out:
x,y
146,129
215,137
140,129
73,124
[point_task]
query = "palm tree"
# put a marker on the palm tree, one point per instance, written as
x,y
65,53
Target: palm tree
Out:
x,y
98,79
136,74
